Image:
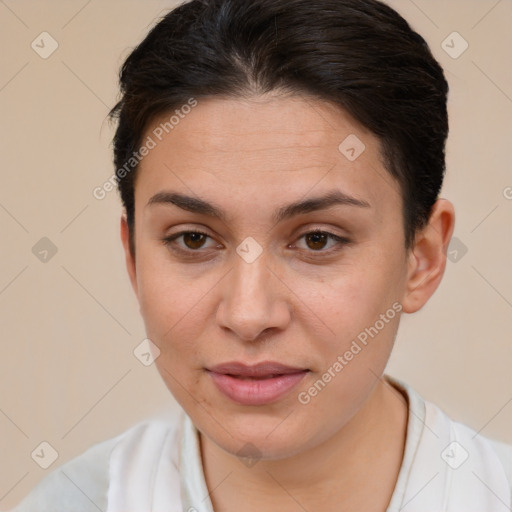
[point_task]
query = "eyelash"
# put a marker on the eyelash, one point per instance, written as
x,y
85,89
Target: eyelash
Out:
x,y
342,241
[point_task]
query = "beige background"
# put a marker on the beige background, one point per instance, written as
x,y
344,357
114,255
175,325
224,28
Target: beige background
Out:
x,y
68,375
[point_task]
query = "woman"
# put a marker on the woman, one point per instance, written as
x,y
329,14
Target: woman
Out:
x,y
280,163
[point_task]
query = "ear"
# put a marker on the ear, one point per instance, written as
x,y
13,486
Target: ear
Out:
x,y
129,256
427,259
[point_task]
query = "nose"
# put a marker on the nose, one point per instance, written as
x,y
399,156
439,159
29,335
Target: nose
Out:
x,y
254,300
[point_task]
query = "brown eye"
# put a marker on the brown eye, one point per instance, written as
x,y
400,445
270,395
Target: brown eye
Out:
x,y
194,240
316,240
186,242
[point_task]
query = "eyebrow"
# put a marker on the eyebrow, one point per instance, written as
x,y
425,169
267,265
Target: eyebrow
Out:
x,y
195,205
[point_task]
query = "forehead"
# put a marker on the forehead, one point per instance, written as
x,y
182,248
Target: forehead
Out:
x,y
262,124
265,145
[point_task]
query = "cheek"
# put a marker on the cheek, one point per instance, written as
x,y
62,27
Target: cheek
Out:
x,y
165,295
354,311
170,306
353,295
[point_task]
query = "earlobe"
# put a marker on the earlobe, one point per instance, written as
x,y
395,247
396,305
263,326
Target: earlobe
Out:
x,y
129,256
427,259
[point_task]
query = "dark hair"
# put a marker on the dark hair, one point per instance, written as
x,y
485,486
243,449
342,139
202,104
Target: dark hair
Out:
x,y
359,54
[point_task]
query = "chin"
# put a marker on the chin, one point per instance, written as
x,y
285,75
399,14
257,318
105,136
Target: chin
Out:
x,y
253,437
260,447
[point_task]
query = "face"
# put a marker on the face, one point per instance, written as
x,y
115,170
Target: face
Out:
x,y
289,250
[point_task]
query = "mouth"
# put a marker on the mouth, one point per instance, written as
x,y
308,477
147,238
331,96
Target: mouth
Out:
x,y
261,377
259,384
265,369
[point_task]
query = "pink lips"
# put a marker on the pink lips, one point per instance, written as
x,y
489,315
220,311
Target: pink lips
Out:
x,y
260,384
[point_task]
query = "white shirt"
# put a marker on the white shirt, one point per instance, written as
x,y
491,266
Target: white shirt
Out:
x,y
156,466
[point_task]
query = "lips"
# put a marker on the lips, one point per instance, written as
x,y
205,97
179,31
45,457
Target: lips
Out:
x,y
258,384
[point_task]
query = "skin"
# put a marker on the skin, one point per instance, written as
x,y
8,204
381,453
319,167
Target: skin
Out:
x,y
301,302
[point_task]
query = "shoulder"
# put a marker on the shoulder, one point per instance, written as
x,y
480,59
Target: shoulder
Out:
x,y
489,459
82,484
504,453
492,452
495,460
